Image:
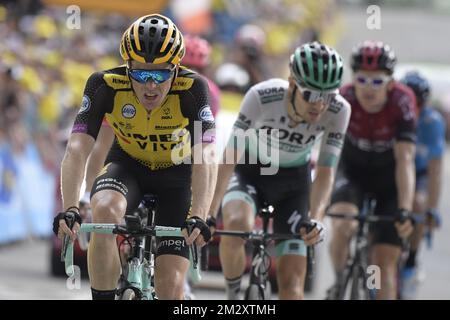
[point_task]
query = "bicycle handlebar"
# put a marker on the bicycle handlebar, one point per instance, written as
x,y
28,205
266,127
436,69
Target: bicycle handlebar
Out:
x,y
256,235
370,219
109,228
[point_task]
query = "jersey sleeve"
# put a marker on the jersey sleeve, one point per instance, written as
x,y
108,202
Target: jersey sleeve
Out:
x,y
407,118
202,113
249,111
435,135
97,100
333,139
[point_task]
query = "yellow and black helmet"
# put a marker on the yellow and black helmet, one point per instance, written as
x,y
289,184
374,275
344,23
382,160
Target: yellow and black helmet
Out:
x,y
153,38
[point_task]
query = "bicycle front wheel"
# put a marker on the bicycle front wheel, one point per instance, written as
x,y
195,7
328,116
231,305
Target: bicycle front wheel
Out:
x,y
254,292
128,294
359,290
268,291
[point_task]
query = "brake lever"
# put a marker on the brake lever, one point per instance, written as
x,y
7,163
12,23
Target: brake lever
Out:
x,y
193,247
194,271
70,221
311,261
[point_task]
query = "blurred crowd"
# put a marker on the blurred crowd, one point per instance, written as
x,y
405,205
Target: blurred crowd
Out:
x,y
44,66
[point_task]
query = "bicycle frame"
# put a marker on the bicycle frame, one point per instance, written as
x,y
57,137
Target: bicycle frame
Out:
x,y
357,265
260,266
357,261
260,262
139,270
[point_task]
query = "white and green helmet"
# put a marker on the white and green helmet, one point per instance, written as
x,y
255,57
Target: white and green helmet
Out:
x,y
317,66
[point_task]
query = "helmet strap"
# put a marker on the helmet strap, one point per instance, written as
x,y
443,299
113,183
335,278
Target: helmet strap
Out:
x,y
296,115
128,65
175,75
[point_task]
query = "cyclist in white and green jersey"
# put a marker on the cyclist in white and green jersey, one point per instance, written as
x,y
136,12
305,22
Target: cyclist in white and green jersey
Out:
x,y
289,116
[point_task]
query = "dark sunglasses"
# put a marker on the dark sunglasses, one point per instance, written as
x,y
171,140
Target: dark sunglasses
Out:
x,y
157,76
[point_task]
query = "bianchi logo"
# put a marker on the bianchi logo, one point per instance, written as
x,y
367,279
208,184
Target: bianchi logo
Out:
x,y
205,114
128,111
85,104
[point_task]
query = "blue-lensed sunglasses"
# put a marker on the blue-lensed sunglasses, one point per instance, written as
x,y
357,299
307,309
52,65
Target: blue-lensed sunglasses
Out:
x,y
157,76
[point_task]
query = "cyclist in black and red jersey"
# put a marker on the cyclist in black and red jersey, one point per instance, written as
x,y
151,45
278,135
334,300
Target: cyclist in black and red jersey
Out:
x,y
377,158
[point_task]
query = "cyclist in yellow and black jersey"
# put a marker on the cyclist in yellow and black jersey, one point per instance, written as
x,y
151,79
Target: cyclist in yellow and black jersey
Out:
x,y
157,139
161,117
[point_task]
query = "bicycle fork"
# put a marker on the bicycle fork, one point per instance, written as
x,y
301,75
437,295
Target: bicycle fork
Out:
x,y
140,273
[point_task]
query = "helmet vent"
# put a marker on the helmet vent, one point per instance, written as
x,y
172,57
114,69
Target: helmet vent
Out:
x,y
316,72
305,68
333,75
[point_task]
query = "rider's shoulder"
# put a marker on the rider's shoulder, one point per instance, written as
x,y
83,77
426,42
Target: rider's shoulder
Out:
x,y
401,93
431,116
188,79
115,78
276,84
339,105
270,90
347,91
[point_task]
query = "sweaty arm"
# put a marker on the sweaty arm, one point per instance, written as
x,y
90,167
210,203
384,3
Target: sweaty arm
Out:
x,y
436,143
204,168
321,191
434,182
404,152
405,173
204,177
98,155
72,168
84,132
330,152
232,154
